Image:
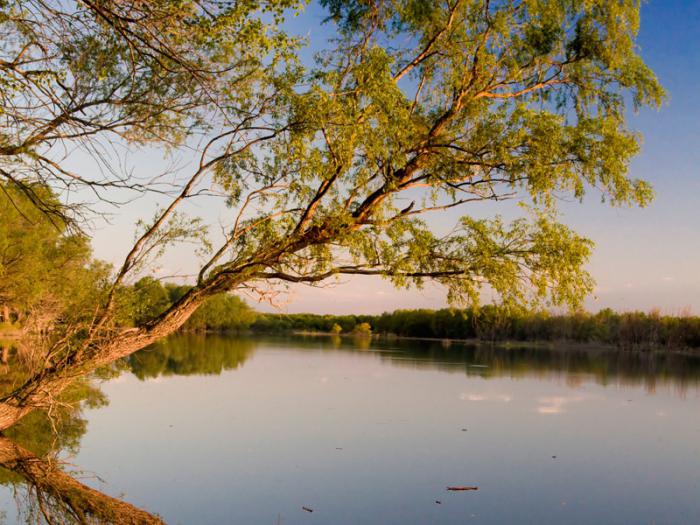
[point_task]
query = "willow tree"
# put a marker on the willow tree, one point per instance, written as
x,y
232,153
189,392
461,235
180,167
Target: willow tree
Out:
x,y
330,169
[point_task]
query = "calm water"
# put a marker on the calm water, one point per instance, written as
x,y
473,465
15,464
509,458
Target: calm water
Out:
x,y
249,431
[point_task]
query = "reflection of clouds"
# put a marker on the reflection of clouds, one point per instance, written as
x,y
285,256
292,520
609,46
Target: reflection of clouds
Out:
x,y
504,398
556,404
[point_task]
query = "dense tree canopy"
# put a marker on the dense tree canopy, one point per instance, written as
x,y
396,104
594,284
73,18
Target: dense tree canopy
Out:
x,y
46,273
490,323
220,312
328,168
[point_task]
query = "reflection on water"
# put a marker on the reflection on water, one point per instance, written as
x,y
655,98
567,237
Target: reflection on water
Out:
x,y
191,354
48,494
199,354
208,429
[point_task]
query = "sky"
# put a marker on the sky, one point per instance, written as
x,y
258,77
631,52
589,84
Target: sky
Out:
x,y
644,259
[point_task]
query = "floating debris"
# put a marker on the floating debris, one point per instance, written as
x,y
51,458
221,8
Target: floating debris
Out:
x,y
462,488
307,509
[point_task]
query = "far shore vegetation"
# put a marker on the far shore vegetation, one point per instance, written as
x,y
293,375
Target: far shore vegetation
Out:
x,y
226,313
148,298
488,323
628,330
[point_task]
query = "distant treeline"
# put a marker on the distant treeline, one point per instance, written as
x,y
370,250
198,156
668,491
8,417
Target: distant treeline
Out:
x,y
629,329
225,312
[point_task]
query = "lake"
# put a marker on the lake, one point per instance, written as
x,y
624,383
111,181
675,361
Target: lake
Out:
x,y
329,430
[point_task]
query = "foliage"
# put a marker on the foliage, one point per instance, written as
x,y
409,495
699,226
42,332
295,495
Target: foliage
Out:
x,y
272,323
222,312
362,329
149,298
427,106
46,273
135,72
418,107
489,323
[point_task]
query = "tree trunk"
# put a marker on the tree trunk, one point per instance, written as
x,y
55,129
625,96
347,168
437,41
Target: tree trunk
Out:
x,y
72,498
41,389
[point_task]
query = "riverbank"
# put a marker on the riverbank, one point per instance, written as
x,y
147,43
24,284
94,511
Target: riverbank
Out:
x,y
505,344
490,325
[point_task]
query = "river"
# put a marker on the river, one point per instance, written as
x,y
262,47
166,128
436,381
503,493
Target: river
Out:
x,y
329,430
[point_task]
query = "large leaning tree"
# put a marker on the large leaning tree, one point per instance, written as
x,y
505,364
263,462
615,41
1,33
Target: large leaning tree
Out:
x,y
325,169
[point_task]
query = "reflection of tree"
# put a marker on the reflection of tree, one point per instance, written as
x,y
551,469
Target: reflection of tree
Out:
x,y
56,497
47,493
191,354
362,341
607,367
573,364
61,429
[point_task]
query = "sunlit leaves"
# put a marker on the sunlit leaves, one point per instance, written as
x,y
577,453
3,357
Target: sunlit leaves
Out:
x,y
46,273
418,107
439,104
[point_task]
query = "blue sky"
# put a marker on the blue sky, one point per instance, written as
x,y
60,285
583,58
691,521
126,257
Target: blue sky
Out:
x,y
644,258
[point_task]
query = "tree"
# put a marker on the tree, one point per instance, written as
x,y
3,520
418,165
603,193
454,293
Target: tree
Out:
x,y
363,329
222,312
150,298
46,272
417,108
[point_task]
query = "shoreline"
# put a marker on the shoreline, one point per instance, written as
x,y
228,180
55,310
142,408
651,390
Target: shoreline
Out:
x,y
562,344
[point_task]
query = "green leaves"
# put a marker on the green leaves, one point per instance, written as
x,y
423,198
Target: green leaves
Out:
x,y
46,274
444,104
419,107
93,74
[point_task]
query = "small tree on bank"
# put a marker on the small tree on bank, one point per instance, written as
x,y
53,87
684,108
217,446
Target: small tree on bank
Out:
x,y
418,107
363,329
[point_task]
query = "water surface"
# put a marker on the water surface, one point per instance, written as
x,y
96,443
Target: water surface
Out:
x,y
250,430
